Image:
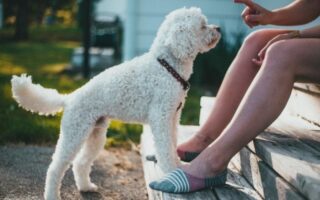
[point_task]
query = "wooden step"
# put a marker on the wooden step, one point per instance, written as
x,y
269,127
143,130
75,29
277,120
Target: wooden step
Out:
x,y
305,102
294,160
206,105
268,183
312,88
283,161
237,187
264,179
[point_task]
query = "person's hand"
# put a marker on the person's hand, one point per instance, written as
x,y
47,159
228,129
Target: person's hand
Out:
x,y
262,53
254,14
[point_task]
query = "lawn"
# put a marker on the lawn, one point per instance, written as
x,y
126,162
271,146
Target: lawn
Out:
x,y
44,56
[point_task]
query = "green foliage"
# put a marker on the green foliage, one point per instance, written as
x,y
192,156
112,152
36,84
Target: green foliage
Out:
x,y
46,34
120,134
36,9
191,111
210,68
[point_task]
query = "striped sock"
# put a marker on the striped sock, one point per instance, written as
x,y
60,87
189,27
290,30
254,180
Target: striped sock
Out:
x,y
179,181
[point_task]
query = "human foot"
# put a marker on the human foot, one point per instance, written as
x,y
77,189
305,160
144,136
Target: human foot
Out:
x,y
179,181
190,149
187,156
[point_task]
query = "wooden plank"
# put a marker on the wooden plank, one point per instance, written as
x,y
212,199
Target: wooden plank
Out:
x,y
294,161
185,132
206,104
313,88
152,172
296,127
267,182
237,187
305,105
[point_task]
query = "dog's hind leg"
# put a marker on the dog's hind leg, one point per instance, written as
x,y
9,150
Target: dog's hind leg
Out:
x,y
74,131
86,156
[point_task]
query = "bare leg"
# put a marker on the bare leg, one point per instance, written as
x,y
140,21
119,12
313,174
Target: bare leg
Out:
x,y
285,62
236,82
88,153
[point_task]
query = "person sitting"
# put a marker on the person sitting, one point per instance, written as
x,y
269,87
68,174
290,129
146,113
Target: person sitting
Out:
x,y
254,92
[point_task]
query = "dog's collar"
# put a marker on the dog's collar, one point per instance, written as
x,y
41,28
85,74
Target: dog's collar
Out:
x,y
185,84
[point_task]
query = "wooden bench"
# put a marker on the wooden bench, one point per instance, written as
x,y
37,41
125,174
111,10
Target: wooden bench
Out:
x,y
283,162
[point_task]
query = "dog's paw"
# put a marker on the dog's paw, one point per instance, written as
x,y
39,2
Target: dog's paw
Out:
x,y
152,158
89,188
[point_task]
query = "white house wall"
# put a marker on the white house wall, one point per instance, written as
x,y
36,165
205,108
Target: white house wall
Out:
x,y
150,13
117,7
143,17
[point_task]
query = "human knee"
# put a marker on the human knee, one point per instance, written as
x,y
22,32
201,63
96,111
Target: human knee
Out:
x,y
279,52
255,38
278,56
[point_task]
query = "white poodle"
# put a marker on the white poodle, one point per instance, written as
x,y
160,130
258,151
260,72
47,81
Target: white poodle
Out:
x,y
148,89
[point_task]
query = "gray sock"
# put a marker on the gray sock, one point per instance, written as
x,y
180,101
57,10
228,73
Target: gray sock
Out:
x,y
187,156
179,181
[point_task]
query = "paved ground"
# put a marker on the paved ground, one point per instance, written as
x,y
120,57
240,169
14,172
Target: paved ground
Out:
x,y
117,172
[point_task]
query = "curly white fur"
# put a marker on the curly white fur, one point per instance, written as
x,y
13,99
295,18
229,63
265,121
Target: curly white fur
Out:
x,y
140,90
35,98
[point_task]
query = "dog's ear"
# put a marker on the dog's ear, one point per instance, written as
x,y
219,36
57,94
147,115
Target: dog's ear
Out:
x,y
180,41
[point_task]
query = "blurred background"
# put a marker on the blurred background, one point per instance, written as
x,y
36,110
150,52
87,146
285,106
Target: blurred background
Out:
x,y
46,39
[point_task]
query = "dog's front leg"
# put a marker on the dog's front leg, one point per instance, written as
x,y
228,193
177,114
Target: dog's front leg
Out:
x,y
163,126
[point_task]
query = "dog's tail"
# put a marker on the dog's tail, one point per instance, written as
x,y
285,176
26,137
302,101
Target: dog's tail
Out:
x,y
35,98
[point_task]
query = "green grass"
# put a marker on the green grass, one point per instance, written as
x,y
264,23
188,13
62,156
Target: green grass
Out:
x,y
44,61
46,34
44,56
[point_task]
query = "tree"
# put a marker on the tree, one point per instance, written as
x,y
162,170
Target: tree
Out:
x,y
29,11
22,23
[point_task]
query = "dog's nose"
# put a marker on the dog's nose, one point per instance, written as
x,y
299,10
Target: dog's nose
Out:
x,y
218,29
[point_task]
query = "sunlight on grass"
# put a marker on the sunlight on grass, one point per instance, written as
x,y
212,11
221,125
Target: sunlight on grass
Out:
x,y
122,134
11,69
68,44
7,67
54,68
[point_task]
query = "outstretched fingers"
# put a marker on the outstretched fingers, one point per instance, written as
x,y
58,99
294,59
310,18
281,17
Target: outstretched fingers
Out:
x,y
254,14
248,3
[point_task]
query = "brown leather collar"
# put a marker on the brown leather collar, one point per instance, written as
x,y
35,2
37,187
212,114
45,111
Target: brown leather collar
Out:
x,y
185,84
